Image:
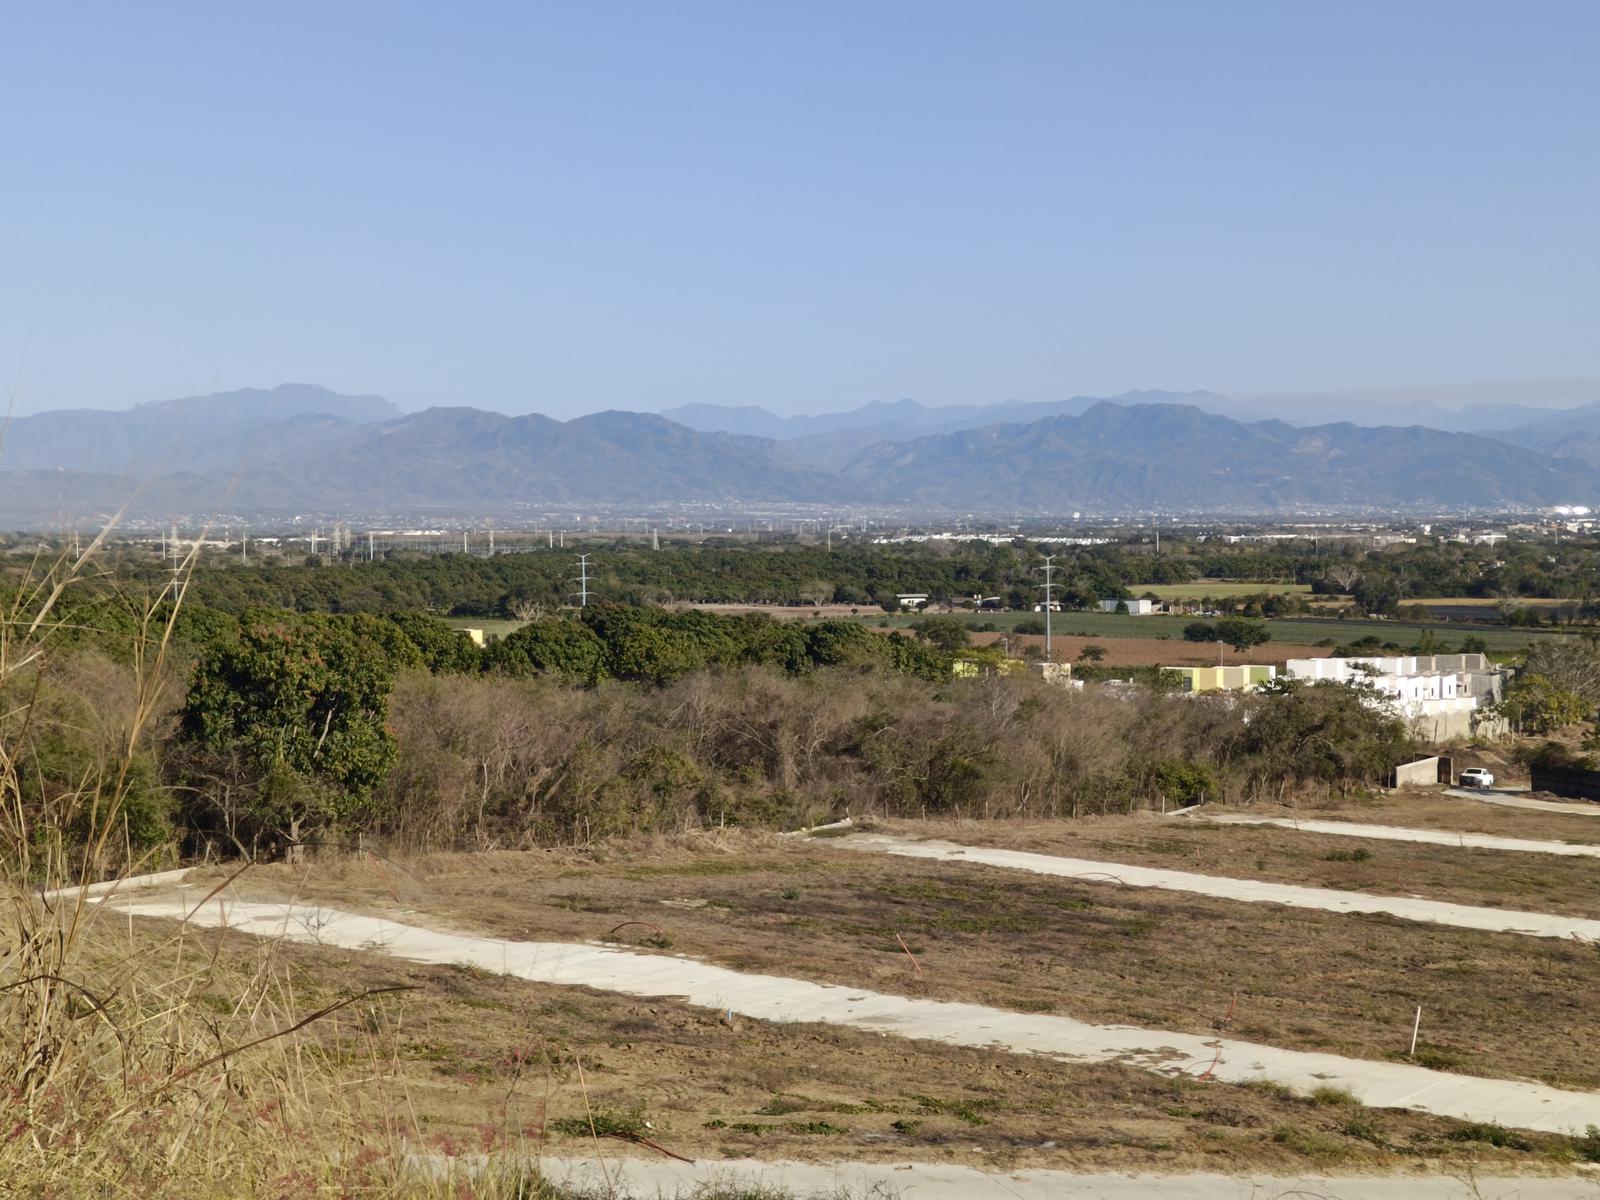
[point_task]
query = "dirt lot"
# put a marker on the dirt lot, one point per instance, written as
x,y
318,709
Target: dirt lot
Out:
x,y
470,1062
1492,878
1152,652
1095,951
1434,810
786,612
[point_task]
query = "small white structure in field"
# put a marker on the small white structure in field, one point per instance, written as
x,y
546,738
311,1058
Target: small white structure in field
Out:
x,y
1136,608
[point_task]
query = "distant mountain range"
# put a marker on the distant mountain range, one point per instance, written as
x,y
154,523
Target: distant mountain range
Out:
x,y
1165,456
300,449
828,440
179,432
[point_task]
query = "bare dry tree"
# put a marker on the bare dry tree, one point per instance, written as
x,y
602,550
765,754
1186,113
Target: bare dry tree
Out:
x,y
526,610
1344,575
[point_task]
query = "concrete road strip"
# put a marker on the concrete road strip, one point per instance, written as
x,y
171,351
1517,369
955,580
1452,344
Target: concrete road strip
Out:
x,y
1250,891
638,1178
780,999
1512,800
1400,833
129,883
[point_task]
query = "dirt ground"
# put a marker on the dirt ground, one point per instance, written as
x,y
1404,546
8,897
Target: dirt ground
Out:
x,y
1491,878
1091,950
470,1063
785,612
1152,652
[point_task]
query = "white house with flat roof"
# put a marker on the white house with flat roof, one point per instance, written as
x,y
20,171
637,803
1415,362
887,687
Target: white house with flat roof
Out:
x,y
1136,608
1440,694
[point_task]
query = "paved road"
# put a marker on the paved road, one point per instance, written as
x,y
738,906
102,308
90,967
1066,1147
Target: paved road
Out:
x,y
1400,833
777,998
1250,891
653,1178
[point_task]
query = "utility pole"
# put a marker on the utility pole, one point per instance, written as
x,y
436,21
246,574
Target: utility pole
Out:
x,y
177,566
655,539
583,580
244,544
830,537
1049,570
371,555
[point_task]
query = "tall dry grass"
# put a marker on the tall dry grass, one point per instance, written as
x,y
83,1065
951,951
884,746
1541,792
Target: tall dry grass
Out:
x,y
142,1059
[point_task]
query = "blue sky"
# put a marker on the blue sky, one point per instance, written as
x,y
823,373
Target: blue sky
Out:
x,y
565,208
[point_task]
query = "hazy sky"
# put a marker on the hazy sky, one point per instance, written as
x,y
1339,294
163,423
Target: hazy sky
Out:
x,y
569,207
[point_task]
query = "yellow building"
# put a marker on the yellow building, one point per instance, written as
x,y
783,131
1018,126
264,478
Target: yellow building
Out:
x,y
1223,679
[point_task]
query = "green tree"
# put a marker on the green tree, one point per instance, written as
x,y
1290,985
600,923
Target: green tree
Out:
x,y
1568,664
1335,733
1185,782
1536,704
557,646
1199,631
1093,653
947,633
442,649
301,702
1241,634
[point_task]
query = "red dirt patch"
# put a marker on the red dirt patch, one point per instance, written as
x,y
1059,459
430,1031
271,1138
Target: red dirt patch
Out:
x,y
1152,652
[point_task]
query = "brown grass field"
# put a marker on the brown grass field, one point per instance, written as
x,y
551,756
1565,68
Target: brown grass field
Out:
x,y
1462,875
469,1062
1418,809
1091,950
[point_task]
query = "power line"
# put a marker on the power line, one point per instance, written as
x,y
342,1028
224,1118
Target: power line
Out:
x,y
1049,570
583,580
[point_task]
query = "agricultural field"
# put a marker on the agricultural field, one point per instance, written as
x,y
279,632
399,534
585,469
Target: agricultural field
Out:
x,y
1480,603
493,627
1220,589
470,1042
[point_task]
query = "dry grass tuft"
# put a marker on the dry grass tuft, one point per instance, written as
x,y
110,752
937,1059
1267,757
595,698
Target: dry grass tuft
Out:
x,y
140,1065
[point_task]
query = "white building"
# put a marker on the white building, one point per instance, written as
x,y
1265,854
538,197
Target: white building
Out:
x,y
1136,608
1439,693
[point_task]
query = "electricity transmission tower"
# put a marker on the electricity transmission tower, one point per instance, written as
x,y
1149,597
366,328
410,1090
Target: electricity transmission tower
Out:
x,y
583,580
1049,570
